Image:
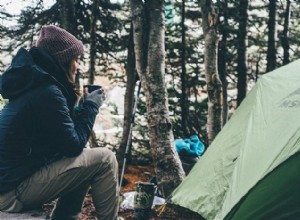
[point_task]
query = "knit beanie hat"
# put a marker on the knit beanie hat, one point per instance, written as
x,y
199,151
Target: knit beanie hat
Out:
x,y
59,43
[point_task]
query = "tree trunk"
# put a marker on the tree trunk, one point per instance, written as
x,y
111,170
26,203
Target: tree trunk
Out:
x,y
69,22
271,53
214,85
93,54
67,16
284,37
93,43
183,101
222,59
148,25
129,98
241,51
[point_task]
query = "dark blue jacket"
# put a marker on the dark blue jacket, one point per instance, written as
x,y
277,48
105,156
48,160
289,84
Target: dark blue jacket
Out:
x,y
37,126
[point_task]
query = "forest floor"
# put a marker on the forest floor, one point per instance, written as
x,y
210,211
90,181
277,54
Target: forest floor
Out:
x,y
134,174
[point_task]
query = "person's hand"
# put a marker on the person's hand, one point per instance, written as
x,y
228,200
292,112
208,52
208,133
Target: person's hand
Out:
x,y
97,97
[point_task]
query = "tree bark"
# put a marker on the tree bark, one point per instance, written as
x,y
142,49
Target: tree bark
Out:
x,y
214,85
242,51
67,16
183,101
68,21
222,59
148,25
284,37
93,43
92,63
271,53
129,97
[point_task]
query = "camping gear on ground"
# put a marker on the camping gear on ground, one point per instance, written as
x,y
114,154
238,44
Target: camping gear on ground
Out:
x,y
128,201
251,170
189,150
192,147
143,200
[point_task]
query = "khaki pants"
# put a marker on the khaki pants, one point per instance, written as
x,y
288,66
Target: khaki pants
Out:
x,y
69,180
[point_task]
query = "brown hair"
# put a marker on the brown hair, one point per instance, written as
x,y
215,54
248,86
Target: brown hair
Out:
x,y
68,70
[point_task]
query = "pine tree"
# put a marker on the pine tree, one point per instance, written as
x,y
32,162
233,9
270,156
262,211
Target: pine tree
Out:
x,y
241,50
271,53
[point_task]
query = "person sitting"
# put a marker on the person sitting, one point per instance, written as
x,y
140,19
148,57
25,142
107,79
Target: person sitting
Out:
x,y
42,140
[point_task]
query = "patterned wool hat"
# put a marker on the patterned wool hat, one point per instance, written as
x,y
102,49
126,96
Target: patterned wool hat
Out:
x,y
59,43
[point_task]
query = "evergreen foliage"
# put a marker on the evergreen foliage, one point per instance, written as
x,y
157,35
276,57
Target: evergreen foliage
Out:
x,y
195,79
113,24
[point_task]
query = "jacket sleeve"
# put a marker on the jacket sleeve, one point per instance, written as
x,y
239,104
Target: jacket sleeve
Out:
x,y
67,136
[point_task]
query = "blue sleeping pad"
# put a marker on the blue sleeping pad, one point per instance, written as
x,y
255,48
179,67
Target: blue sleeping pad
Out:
x,y
190,147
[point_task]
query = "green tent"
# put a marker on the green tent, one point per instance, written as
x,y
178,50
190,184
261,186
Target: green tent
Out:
x,y
252,168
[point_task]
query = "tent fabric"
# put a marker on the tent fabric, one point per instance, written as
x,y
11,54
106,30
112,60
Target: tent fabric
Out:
x,y
266,201
262,133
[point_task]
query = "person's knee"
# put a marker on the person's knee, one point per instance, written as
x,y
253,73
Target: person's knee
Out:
x,y
110,162
99,155
108,157
112,159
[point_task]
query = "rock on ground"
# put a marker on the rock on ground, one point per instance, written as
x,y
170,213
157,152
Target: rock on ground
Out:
x,y
30,215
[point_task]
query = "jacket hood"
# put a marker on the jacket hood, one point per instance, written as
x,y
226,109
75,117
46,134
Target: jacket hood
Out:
x,y
28,70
